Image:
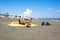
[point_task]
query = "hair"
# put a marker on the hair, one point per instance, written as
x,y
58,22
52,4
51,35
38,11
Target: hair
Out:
x,y
30,18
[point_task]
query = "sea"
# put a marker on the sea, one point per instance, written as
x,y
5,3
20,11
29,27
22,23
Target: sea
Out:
x,y
50,18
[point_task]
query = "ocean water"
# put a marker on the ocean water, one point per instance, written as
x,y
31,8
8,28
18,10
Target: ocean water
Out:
x,y
50,18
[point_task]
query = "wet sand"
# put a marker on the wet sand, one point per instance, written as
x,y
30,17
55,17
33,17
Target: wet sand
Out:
x,y
40,32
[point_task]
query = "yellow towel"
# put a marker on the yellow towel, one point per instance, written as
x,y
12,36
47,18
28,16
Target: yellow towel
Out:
x,y
12,24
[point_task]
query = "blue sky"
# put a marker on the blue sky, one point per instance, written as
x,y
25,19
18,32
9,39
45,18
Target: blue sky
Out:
x,y
37,8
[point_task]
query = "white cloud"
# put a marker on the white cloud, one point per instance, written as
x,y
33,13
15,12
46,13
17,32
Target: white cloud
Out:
x,y
57,10
49,8
27,12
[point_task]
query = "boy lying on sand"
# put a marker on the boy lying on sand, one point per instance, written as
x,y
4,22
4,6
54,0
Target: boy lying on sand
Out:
x,y
25,22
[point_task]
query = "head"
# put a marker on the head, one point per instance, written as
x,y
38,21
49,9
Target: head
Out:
x,y
30,19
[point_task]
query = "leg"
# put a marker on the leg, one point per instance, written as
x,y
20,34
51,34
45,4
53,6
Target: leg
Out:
x,y
19,21
27,25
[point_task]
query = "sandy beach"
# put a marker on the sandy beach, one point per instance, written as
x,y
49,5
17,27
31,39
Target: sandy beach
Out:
x,y
39,32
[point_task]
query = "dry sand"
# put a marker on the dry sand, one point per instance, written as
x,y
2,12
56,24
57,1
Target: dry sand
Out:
x,y
40,32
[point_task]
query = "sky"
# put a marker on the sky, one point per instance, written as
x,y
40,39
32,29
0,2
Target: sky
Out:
x,y
31,8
